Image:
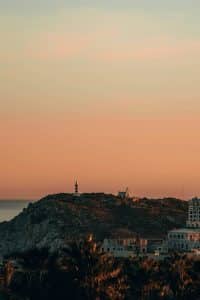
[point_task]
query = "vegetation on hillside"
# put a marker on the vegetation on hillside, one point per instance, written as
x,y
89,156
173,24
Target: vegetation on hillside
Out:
x,y
82,272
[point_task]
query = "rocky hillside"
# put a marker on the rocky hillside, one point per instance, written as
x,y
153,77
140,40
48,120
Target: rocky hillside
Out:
x,y
61,217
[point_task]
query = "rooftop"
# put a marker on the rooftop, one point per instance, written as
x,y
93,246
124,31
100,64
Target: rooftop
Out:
x,y
192,230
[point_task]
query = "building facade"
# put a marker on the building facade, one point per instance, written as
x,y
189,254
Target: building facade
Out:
x,y
124,247
194,213
187,239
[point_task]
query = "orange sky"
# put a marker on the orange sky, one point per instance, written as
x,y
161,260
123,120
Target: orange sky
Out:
x,y
152,157
103,91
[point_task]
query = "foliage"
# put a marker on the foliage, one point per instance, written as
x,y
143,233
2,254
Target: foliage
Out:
x,y
82,272
176,277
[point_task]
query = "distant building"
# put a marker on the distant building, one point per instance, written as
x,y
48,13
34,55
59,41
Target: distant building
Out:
x,y
155,245
124,247
123,194
187,239
194,213
184,239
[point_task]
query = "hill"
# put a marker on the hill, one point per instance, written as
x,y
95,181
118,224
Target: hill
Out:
x,y
62,217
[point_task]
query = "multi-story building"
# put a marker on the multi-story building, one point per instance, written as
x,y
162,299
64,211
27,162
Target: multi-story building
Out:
x,y
194,213
187,239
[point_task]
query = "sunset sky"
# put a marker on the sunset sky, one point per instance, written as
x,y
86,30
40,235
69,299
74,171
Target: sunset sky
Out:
x,y
107,92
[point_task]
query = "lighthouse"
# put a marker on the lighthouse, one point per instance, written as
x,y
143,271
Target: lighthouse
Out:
x,y
76,190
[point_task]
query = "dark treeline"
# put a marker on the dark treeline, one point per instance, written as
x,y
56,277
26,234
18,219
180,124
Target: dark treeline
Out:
x,y
81,272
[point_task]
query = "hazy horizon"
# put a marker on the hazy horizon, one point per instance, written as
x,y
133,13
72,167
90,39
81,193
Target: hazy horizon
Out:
x,y
105,92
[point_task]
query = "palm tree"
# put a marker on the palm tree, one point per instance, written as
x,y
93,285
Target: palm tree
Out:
x,y
95,275
79,272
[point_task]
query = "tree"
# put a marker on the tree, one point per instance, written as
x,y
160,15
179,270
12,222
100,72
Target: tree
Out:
x,y
95,275
79,272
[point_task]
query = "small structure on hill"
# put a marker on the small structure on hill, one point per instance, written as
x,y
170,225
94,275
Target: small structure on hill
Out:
x,y
76,189
123,194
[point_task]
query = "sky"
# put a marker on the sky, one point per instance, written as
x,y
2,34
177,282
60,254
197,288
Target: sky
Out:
x,y
106,92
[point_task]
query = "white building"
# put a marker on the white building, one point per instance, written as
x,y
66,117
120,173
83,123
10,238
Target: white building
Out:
x,y
184,239
124,194
124,247
187,239
194,213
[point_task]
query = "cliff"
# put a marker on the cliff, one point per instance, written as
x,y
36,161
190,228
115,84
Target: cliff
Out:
x,y
62,216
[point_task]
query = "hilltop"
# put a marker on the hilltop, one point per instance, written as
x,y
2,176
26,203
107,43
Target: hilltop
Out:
x,y
59,217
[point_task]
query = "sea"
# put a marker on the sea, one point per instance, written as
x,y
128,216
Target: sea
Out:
x,y
11,208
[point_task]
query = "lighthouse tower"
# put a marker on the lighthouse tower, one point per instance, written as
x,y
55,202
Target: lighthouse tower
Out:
x,y
76,190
